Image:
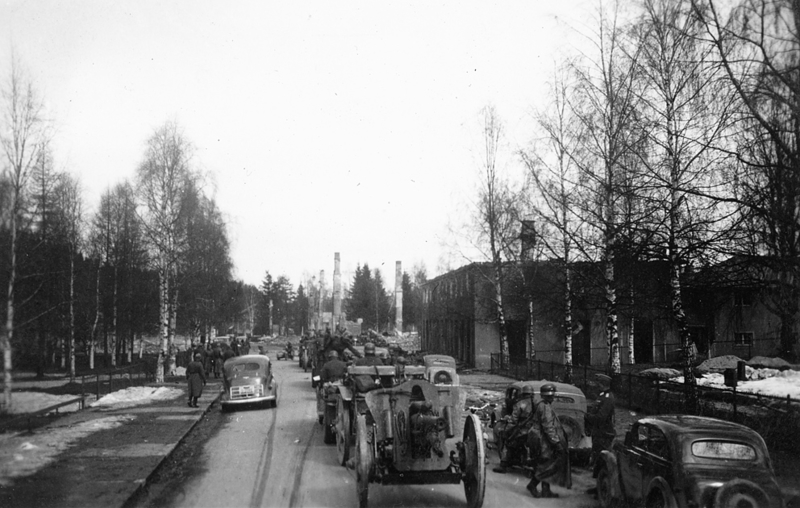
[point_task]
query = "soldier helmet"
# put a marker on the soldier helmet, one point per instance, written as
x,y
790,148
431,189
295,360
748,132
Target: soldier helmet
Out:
x,y
548,389
369,348
198,356
332,354
527,390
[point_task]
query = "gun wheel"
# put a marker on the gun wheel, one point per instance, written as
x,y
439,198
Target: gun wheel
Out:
x,y
364,460
342,429
474,461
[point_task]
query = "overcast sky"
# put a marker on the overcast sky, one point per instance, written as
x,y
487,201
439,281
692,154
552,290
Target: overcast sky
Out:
x,y
348,127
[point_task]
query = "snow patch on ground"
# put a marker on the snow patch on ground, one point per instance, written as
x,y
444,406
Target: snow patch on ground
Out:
x,y
24,454
137,395
772,382
30,402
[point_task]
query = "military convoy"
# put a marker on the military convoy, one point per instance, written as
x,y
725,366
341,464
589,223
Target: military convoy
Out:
x,y
407,426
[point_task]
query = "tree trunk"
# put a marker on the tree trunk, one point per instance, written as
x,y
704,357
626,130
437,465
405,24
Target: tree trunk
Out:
x,y
531,338
72,317
632,335
173,316
163,309
567,324
93,340
612,332
5,339
501,315
113,334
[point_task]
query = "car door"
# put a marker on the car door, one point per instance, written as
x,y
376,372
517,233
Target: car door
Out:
x,y
630,459
656,462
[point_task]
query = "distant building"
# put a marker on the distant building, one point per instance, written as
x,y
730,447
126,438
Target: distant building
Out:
x,y
724,316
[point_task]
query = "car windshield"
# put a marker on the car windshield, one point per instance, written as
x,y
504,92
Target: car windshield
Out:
x,y
245,366
725,450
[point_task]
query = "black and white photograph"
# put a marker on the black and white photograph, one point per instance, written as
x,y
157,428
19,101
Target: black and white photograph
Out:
x,y
393,254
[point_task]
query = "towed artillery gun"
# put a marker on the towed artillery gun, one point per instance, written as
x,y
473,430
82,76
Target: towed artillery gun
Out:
x,y
409,430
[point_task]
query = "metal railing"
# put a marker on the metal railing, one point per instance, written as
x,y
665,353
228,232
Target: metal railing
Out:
x,y
106,382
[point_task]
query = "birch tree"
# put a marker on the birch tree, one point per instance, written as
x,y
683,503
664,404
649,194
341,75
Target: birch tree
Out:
x,y
605,103
497,217
162,181
552,169
22,136
687,112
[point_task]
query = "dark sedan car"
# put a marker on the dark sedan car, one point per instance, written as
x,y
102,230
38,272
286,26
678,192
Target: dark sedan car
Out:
x,y
688,462
248,380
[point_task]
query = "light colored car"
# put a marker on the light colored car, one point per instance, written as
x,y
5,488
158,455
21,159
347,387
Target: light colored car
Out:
x,y
248,380
570,406
440,369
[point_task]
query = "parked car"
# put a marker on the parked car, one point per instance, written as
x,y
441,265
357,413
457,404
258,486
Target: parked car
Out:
x,y
680,461
248,380
440,369
570,406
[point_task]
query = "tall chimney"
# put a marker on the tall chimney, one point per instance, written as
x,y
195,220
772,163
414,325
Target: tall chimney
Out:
x,y
398,298
337,290
320,315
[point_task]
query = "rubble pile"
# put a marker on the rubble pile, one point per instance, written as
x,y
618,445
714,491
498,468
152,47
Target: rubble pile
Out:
x,y
660,373
718,364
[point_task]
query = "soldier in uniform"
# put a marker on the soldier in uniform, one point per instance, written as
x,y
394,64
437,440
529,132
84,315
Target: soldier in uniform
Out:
x,y
334,369
548,442
514,435
599,419
369,356
339,343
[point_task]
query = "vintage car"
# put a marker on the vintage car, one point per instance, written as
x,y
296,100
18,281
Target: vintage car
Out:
x,y
440,369
679,461
248,380
570,406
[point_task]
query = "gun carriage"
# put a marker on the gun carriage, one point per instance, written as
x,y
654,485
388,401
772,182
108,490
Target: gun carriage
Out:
x,y
408,430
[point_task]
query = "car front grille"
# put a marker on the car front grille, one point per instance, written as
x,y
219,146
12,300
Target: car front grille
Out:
x,y
246,392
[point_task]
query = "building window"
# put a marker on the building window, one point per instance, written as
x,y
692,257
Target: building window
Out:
x,y
743,298
743,339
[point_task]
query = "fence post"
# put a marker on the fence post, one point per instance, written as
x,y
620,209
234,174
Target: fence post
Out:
x,y
538,369
97,385
735,408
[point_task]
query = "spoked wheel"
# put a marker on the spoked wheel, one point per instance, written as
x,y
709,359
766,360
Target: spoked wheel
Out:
x,y
342,429
364,460
474,461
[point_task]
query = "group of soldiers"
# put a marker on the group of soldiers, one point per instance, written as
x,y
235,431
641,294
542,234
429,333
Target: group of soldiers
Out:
x,y
213,356
535,431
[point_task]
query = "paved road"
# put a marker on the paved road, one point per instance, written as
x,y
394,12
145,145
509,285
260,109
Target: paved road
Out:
x,y
276,457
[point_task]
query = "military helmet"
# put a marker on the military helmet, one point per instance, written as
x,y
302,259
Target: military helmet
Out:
x,y
369,348
332,354
527,390
548,389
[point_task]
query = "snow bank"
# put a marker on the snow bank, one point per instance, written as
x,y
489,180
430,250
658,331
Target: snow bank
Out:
x,y
24,454
770,382
773,363
137,395
30,402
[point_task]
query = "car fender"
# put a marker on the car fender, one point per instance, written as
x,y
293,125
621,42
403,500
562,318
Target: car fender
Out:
x,y
345,393
609,461
661,484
